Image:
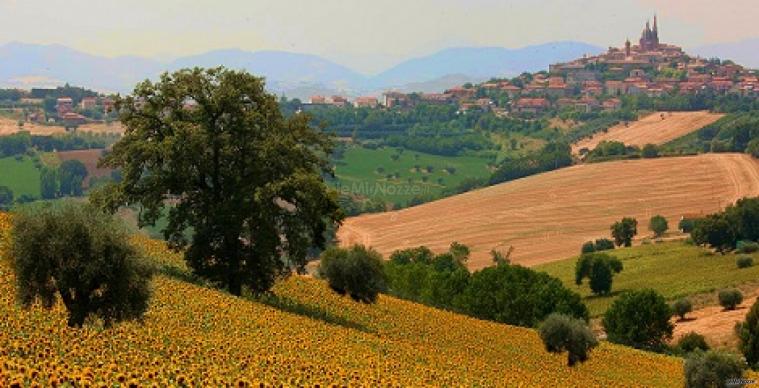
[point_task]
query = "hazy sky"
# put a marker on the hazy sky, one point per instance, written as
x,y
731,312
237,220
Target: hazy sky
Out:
x,y
368,35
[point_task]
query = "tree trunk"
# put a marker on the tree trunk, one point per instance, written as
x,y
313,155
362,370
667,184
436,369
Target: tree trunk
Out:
x,y
77,308
232,254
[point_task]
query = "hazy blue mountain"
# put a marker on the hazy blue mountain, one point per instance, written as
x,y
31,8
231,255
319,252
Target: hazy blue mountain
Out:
x,y
282,68
745,52
436,85
481,62
29,65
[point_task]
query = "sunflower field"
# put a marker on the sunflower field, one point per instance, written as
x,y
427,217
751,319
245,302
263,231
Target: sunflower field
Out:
x,y
303,335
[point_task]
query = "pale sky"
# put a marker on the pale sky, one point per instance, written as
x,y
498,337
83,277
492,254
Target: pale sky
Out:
x,y
366,35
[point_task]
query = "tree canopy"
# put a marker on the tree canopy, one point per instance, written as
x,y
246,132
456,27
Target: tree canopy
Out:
x,y
247,181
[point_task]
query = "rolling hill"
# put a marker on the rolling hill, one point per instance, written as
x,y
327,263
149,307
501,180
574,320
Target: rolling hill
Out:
x,y
547,217
656,128
196,336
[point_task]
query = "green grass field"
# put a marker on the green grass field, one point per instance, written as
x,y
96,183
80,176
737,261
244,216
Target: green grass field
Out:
x,y
674,269
394,176
21,176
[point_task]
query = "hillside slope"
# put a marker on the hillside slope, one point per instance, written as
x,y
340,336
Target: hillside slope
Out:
x,y
656,128
198,336
547,217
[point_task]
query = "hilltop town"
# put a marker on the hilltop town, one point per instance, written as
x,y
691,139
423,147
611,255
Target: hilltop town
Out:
x,y
591,83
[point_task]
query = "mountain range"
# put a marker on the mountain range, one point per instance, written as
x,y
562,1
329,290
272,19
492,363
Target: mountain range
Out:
x,y
294,74
301,75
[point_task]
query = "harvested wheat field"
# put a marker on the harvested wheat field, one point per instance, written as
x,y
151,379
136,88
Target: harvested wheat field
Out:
x,y
547,217
656,128
9,127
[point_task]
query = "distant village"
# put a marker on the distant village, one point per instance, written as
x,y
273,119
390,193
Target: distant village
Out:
x,y
591,83
66,106
588,84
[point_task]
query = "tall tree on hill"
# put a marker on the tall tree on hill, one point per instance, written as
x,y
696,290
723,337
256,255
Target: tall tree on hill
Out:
x,y
72,174
624,231
246,180
48,183
6,198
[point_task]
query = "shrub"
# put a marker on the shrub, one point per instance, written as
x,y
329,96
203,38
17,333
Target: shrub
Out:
x,y
356,271
712,369
730,298
76,251
744,246
686,225
640,319
744,261
604,244
649,151
682,307
6,198
518,296
658,225
563,333
691,342
748,334
421,255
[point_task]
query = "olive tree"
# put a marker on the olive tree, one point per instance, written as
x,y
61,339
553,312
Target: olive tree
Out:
x,y
682,307
247,181
561,333
356,271
82,254
712,369
730,298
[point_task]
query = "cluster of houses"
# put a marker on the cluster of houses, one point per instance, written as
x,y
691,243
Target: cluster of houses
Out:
x,y
66,111
587,84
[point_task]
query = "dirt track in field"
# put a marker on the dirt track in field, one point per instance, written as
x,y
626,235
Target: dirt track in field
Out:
x,y
656,128
547,217
8,127
715,323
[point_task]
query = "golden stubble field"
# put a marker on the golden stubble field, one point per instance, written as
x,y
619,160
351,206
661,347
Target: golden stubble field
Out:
x,y
547,217
656,128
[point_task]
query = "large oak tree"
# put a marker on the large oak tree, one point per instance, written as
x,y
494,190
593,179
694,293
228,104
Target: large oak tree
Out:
x,y
213,148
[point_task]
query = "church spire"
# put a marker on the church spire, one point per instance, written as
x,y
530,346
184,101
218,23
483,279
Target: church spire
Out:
x,y
656,27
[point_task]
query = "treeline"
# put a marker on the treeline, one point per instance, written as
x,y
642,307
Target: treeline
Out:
x,y
19,143
736,132
504,293
368,123
724,231
615,150
446,144
705,100
596,122
551,157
